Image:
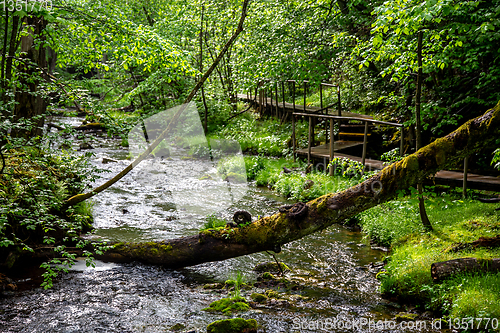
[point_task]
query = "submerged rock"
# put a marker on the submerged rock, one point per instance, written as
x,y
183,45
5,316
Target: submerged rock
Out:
x,y
271,267
259,298
106,160
235,325
177,327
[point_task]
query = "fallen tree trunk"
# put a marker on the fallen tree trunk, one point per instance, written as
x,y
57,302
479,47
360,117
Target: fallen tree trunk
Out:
x,y
490,242
445,269
270,232
489,200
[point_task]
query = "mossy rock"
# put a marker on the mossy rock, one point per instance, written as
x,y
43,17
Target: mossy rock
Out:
x,y
235,325
271,267
259,298
177,327
229,305
272,294
205,177
405,316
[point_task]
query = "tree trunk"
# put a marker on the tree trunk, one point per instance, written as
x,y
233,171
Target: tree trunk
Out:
x,y
270,232
418,131
490,242
29,104
445,269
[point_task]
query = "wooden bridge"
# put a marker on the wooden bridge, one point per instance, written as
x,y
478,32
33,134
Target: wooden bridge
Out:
x,y
353,130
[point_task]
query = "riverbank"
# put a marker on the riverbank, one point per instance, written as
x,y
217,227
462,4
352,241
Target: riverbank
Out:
x,y
397,225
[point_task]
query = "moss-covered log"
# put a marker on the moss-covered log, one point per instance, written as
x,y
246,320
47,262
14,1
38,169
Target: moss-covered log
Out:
x,y
445,269
270,232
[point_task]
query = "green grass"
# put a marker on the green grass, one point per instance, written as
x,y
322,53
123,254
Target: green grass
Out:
x,y
213,222
265,137
397,224
296,185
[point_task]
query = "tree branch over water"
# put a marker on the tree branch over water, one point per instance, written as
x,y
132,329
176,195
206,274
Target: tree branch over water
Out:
x,y
82,197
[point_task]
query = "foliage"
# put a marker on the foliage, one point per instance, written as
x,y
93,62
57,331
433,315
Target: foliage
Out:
x,y
213,222
496,159
254,166
392,156
407,273
295,185
346,167
264,137
34,185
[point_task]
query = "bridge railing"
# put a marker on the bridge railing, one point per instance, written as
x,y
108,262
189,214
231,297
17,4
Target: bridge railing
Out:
x,y
366,122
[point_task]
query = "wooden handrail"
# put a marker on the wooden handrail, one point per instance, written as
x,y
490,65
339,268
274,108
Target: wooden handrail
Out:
x,y
346,118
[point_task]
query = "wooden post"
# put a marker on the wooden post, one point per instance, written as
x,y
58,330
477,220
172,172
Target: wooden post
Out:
x,y
293,95
293,136
401,144
265,100
321,95
309,146
339,103
271,92
322,112
332,146
277,101
365,140
305,97
283,92
466,170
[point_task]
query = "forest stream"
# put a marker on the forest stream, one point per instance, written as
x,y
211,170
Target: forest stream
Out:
x,y
335,268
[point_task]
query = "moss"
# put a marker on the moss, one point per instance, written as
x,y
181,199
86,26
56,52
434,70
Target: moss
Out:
x,y
268,276
272,294
205,177
230,283
404,316
228,305
235,325
259,298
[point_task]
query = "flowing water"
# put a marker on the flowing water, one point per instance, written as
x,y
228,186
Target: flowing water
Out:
x,y
334,268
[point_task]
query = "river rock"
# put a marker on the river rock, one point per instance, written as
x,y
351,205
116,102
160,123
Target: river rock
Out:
x,y
106,160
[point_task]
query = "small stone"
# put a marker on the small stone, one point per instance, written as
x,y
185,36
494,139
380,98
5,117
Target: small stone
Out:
x,y
85,145
213,286
106,160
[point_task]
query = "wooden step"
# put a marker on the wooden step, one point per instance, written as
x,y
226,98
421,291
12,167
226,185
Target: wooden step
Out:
x,y
354,134
355,125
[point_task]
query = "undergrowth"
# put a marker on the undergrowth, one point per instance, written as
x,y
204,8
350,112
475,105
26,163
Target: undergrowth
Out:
x,y
455,220
33,187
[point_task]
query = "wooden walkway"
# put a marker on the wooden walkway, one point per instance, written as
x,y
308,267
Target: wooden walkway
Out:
x,y
282,110
290,107
443,177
